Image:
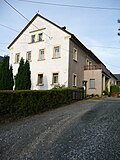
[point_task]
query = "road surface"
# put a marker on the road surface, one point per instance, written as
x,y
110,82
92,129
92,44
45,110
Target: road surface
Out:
x,y
85,130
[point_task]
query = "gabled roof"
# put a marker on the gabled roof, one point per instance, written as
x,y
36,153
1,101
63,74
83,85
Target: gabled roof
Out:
x,y
87,51
37,15
73,37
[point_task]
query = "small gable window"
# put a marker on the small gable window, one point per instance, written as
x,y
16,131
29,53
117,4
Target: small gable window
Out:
x,y
33,38
40,37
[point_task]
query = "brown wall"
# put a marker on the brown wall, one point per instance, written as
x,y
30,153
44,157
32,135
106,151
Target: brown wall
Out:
x,y
77,67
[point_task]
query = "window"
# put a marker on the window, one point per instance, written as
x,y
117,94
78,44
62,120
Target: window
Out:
x,y
90,63
74,80
40,37
33,38
75,54
41,54
17,58
87,61
56,52
55,78
40,79
29,56
92,83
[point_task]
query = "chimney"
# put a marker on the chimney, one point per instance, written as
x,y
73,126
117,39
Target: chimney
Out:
x,y
64,28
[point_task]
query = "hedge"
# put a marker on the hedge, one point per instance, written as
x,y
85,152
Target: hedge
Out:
x,y
23,103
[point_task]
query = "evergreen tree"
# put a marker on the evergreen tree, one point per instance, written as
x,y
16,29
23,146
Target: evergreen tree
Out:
x,y
11,78
5,75
23,80
19,76
27,76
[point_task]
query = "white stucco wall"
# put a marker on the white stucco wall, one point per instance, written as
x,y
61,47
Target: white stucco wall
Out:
x,y
49,65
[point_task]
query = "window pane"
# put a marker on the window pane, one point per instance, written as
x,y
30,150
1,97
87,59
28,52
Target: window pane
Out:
x,y
92,83
33,38
74,80
29,56
75,54
90,63
42,54
40,78
56,52
40,37
17,57
55,77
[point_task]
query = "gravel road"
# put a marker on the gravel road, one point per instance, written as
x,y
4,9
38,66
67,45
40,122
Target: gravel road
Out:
x,y
85,130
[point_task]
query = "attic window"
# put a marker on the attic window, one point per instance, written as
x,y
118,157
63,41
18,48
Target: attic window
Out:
x,y
40,37
33,38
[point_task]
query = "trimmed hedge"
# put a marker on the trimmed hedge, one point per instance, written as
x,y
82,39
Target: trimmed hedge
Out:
x,y
23,103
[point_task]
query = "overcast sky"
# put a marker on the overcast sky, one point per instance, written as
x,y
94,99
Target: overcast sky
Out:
x,y
96,28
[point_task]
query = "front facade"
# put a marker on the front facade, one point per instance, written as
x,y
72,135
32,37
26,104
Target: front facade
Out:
x,y
47,49
56,57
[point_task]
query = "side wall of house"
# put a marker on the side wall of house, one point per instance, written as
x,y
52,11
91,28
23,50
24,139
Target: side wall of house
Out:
x,y
77,67
52,37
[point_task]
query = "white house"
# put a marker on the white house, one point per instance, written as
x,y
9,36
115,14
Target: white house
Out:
x,y
56,56
46,46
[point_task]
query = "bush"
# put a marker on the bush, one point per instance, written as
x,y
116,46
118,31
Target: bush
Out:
x,y
114,89
23,103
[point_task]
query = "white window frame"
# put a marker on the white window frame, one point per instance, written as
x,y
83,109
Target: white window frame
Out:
x,y
74,79
17,60
39,82
92,83
40,55
55,53
27,56
75,52
53,76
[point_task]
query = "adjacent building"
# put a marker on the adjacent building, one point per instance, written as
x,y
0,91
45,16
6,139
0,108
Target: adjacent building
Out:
x,y
118,79
57,57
